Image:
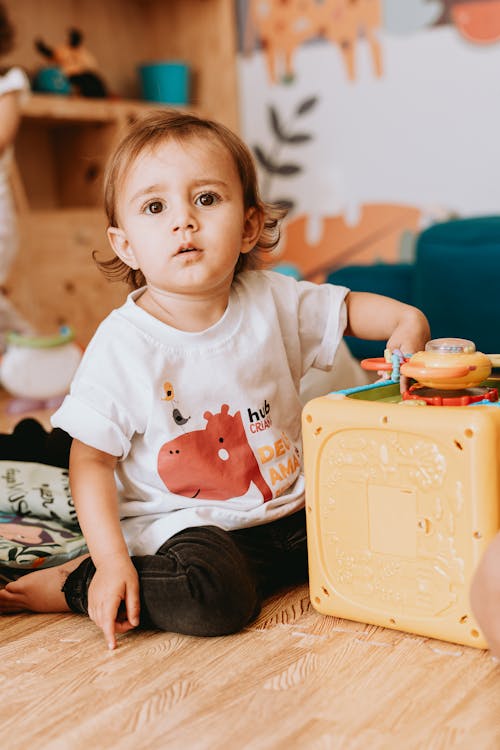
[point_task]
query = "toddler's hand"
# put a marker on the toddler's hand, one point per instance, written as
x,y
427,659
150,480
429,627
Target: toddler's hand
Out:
x,y
113,598
410,336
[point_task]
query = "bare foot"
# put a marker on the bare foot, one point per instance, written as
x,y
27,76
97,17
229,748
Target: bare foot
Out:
x,y
39,591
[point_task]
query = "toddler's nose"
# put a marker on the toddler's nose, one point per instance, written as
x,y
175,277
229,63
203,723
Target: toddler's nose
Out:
x,y
183,220
182,226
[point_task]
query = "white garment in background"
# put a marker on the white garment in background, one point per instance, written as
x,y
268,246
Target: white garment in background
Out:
x,y
10,320
14,80
206,425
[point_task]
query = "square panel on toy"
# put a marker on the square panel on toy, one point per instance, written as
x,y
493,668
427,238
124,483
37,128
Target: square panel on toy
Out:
x,y
401,503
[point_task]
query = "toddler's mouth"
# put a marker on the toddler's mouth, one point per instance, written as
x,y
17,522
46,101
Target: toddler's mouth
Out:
x,y
183,250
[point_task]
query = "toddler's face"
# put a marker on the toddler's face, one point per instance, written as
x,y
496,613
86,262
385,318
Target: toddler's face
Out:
x,y
182,219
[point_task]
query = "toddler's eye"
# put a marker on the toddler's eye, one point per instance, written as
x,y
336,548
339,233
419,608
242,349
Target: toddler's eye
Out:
x,y
207,199
155,207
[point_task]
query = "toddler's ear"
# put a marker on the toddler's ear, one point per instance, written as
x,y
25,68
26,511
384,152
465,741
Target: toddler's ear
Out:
x,y
252,229
121,246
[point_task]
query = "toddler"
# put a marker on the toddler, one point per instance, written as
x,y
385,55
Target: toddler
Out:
x,y
186,461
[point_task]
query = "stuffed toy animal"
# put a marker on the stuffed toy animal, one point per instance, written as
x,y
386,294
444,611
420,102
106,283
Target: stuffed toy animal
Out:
x,y
76,63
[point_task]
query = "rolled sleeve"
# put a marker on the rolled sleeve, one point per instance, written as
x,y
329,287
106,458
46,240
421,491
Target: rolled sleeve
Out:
x,y
99,410
91,427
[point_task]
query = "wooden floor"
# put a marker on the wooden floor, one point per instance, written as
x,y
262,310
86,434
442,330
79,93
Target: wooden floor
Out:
x,y
294,679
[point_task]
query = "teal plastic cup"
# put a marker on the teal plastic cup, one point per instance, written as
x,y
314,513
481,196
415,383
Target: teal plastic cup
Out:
x,y
165,82
51,81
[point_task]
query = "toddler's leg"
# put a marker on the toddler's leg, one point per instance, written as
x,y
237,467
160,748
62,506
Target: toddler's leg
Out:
x,y
40,591
198,583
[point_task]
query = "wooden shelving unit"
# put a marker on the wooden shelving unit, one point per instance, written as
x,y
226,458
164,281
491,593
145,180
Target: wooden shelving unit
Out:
x,y
64,142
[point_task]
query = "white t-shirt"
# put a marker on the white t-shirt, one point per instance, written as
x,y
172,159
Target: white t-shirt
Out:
x,y
206,425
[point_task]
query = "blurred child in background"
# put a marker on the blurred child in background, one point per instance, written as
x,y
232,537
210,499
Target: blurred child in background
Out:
x,y
14,86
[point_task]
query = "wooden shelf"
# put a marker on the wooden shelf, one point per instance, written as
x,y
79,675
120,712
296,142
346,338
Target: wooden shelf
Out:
x,y
52,107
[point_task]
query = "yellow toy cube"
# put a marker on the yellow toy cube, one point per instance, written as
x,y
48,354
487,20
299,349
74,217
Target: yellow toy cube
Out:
x,y
401,503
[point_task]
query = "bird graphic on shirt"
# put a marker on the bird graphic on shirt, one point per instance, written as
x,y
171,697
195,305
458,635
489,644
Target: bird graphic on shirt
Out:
x,y
168,390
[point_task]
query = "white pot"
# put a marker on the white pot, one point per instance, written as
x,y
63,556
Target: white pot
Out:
x,y
39,367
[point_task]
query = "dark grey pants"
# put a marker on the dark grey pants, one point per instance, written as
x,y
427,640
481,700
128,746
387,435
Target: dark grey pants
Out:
x,y
207,582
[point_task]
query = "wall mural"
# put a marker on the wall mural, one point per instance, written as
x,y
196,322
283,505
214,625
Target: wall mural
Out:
x,y
370,119
281,27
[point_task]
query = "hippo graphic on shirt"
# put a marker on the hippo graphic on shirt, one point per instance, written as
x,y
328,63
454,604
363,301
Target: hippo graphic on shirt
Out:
x,y
214,463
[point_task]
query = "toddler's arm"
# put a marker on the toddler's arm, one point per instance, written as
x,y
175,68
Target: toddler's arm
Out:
x,y
485,595
372,316
115,581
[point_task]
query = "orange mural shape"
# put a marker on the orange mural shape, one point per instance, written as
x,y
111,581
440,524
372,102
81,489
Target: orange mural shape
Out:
x,y
284,25
478,22
343,22
377,236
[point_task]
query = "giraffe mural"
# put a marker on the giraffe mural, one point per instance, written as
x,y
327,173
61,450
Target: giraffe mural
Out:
x,y
284,25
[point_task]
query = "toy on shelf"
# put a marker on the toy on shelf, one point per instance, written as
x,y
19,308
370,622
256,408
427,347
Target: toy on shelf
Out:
x,y
401,503
37,370
77,66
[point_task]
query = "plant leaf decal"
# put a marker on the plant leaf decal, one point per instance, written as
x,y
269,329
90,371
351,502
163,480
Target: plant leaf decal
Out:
x,y
276,124
299,138
306,105
272,167
288,169
286,134
261,157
